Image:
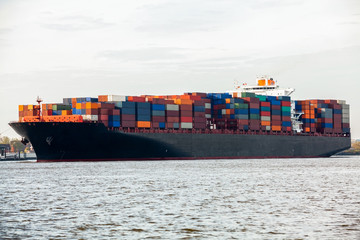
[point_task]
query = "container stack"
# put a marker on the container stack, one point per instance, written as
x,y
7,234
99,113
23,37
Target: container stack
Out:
x,y
158,113
128,114
265,115
172,115
275,114
143,115
254,112
285,113
242,115
345,117
308,117
199,114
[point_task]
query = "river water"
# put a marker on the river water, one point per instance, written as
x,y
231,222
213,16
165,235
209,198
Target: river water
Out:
x,y
204,199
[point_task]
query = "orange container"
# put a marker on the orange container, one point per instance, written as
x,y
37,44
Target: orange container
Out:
x,y
143,124
265,123
276,128
261,82
21,108
66,112
78,106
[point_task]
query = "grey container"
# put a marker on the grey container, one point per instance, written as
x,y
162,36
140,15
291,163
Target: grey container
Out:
x,y
172,107
186,125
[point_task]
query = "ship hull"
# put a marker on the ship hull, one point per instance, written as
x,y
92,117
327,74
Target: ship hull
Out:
x,y
94,142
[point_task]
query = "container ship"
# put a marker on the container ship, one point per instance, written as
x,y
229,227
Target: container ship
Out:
x,y
260,121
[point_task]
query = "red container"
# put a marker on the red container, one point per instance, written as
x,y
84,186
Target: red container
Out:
x,y
172,119
92,111
275,118
199,125
263,113
158,119
243,122
219,106
186,107
265,104
186,119
286,103
207,111
199,103
275,107
172,113
103,105
199,119
186,113
286,118
252,99
128,123
254,105
158,101
199,114
104,117
128,117
276,123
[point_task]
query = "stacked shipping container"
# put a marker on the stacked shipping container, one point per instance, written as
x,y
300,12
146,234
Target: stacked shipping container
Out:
x,y
198,111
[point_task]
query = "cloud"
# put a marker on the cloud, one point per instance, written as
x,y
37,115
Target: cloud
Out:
x,y
146,54
77,23
5,30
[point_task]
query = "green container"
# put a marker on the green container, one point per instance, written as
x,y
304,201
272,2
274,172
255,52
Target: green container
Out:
x,y
261,98
285,109
59,107
247,94
241,105
254,116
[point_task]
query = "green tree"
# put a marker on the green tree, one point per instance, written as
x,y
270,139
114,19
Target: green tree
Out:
x,y
17,144
5,140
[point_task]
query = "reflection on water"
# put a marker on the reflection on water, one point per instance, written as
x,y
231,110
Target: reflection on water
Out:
x,y
253,199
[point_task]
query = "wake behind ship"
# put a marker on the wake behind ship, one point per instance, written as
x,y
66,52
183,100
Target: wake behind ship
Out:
x,y
189,126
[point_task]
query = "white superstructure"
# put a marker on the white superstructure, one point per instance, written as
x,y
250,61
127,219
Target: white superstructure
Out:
x,y
265,86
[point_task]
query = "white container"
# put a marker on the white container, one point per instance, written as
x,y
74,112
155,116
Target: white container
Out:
x,y
186,125
113,98
172,107
207,105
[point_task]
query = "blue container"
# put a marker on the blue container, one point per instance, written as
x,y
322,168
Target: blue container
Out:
x,y
229,106
276,112
254,111
286,124
275,102
83,112
143,118
271,98
246,127
284,98
89,99
285,113
337,111
130,111
199,109
74,111
143,105
161,125
158,113
326,125
143,111
128,105
158,107
176,125
265,109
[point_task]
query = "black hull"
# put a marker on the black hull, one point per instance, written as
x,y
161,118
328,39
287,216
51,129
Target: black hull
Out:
x,y
94,142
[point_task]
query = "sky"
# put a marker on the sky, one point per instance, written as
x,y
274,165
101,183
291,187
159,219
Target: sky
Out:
x,y
80,48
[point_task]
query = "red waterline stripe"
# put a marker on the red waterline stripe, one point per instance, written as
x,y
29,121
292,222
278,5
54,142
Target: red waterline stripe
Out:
x,y
169,158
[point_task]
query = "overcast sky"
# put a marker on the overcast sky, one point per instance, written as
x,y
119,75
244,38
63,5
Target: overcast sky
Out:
x,y
76,48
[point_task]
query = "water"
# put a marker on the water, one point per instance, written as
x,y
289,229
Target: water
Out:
x,y
206,199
